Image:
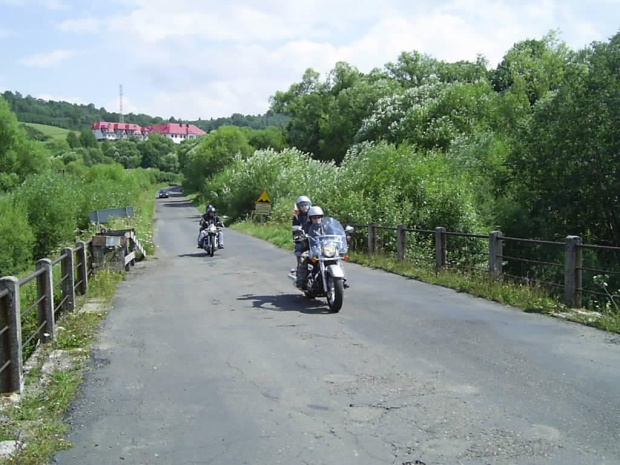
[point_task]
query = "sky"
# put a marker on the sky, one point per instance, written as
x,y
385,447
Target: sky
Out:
x,y
206,59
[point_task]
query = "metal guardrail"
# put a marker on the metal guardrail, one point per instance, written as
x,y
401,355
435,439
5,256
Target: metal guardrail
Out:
x,y
490,257
54,295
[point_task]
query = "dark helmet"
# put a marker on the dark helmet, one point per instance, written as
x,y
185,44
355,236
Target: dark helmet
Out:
x,y
210,209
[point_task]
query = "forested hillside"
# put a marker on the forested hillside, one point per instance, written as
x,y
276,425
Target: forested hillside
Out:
x,y
77,117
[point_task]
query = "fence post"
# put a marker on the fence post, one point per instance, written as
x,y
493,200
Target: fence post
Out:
x,y
82,258
12,379
372,238
572,276
440,247
401,242
496,253
45,285
68,285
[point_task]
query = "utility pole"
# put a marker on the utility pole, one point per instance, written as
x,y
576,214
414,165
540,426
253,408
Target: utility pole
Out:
x,y
121,118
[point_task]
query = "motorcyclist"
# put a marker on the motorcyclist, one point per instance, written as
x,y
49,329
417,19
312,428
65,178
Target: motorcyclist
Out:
x,y
208,218
315,215
300,217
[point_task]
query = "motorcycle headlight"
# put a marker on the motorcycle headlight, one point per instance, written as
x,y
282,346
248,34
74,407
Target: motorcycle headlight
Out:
x,y
329,250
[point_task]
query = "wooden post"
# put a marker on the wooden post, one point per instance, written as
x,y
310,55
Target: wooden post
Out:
x,y
11,377
401,242
572,273
82,258
68,285
440,248
372,238
496,252
45,285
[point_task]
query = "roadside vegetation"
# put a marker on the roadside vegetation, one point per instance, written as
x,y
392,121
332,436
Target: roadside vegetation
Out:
x,y
44,206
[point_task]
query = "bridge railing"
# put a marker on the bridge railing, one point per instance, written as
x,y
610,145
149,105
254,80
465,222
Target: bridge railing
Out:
x,y
569,268
30,307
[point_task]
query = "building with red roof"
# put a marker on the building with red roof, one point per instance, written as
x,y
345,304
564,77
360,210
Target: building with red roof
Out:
x,y
177,132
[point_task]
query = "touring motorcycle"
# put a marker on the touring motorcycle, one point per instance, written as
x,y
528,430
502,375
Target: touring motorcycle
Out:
x,y
327,248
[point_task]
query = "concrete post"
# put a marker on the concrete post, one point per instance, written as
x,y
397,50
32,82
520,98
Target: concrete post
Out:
x,y
372,238
68,285
11,377
401,242
45,285
572,273
440,247
496,252
82,258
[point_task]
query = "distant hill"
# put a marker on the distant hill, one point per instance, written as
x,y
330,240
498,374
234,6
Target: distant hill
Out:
x,y
44,132
76,117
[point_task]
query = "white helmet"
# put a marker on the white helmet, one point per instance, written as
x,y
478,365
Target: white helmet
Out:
x,y
315,211
303,199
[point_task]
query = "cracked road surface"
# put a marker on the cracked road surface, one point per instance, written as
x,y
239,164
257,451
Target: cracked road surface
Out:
x,y
221,361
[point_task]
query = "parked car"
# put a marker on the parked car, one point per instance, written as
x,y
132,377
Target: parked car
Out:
x,y
163,194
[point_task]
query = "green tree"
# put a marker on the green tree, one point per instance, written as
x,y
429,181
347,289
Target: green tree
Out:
x,y
88,139
567,163
126,153
73,139
272,137
154,149
215,152
19,156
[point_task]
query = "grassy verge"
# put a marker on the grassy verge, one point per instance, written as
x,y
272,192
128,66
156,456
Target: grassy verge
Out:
x,y
35,420
526,297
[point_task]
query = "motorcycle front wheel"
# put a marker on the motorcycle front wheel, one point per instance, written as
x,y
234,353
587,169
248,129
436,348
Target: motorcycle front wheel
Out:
x,y
335,293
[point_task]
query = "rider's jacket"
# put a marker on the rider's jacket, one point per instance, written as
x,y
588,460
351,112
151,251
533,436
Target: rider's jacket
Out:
x,y
205,220
299,221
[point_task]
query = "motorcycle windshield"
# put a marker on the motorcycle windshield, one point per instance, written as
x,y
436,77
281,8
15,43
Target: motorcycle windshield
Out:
x,y
329,231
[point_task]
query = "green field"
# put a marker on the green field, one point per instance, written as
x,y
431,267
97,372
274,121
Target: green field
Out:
x,y
52,131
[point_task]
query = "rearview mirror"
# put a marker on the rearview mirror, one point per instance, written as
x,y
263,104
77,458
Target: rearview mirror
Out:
x,y
349,229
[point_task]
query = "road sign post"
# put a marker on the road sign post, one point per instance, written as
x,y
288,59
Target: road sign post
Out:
x,y
263,206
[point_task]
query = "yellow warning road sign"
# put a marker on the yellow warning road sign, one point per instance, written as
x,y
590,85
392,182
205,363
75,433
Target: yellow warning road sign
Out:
x,y
264,198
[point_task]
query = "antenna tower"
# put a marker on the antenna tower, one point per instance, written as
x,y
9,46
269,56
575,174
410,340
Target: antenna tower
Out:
x,y
121,117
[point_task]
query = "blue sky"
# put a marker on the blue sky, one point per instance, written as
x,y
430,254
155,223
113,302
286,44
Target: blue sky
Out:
x,y
204,58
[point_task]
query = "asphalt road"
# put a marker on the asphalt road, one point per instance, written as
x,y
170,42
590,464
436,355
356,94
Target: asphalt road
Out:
x,y
222,361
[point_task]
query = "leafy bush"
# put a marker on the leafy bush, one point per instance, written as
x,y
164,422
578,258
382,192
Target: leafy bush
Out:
x,y
16,236
50,201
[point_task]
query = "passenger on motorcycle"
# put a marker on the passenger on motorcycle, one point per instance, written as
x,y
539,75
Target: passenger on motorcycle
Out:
x,y
315,214
299,219
205,220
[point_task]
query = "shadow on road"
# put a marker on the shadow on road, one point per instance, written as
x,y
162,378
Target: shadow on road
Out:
x,y
200,254
287,303
177,204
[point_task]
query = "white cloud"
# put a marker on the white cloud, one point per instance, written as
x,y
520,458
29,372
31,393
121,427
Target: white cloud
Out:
x,y
49,4
55,98
128,106
55,5
89,24
47,60
210,58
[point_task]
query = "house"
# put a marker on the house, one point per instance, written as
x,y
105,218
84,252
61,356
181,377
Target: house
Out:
x,y
116,131
177,132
